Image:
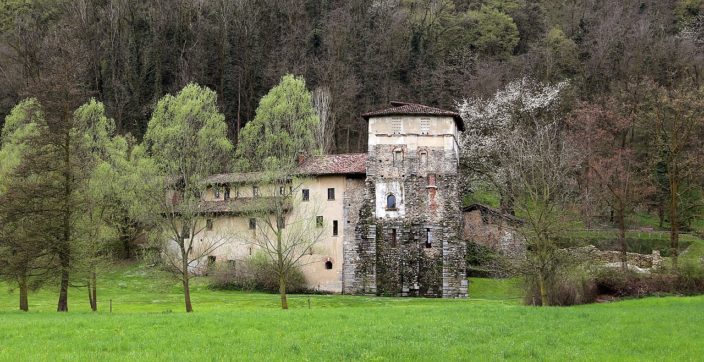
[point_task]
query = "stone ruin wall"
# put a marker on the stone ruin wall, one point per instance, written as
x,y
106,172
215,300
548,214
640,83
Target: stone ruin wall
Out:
x,y
494,233
643,261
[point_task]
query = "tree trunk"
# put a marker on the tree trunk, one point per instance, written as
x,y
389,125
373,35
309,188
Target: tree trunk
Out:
x,y
92,291
187,296
24,303
661,214
674,219
65,246
63,292
543,290
282,292
126,242
185,278
622,238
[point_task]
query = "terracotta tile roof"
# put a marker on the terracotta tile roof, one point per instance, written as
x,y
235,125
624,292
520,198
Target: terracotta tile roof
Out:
x,y
242,205
404,108
342,164
486,210
234,178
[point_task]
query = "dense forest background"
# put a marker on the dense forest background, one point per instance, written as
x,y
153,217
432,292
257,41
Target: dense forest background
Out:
x,y
363,53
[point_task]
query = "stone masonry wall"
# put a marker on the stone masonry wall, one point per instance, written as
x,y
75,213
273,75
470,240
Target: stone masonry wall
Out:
x,y
418,252
359,251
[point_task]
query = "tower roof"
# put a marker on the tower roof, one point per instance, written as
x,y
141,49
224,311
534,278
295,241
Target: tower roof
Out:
x,y
405,108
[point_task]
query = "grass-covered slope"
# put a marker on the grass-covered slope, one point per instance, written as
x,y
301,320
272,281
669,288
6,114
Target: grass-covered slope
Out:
x,y
148,324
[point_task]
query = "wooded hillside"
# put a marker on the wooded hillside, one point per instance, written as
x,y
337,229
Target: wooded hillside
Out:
x,y
358,53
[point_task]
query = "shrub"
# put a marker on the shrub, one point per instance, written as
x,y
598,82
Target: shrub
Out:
x,y
569,285
687,280
254,274
619,283
573,282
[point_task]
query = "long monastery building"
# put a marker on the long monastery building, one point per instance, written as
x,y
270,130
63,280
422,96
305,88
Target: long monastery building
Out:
x,y
392,215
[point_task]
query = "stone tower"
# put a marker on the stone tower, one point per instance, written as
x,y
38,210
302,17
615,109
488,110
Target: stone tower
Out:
x,y
407,241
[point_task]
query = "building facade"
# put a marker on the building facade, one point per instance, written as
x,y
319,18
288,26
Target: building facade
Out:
x,y
393,213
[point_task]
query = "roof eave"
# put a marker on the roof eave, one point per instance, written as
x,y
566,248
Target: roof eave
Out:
x,y
456,117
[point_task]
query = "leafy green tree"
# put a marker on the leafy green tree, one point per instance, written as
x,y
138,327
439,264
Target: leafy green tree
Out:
x,y
492,32
187,140
561,54
100,194
23,211
282,131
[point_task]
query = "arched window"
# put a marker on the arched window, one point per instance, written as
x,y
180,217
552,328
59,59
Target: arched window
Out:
x,y
328,265
391,201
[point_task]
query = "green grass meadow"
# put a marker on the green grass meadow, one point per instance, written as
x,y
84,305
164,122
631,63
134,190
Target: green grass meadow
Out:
x,y
148,323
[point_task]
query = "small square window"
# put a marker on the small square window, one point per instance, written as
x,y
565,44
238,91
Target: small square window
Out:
x,y
255,191
334,228
319,221
227,192
209,224
282,190
331,194
216,191
396,126
306,194
252,224
424,125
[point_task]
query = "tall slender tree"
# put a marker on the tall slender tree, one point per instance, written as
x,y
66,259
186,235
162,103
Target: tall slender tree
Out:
x,y
187,140
24,212
283,131
676,122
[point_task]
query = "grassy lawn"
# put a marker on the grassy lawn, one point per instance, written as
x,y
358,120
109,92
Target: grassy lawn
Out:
x,y
148,323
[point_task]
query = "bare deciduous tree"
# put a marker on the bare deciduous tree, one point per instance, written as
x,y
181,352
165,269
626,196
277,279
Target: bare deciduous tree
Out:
x,y
541,183
287,228
325,134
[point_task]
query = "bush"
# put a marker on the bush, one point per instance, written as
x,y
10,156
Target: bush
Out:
x,y
573,282
254,274
619,283
567,286
687,280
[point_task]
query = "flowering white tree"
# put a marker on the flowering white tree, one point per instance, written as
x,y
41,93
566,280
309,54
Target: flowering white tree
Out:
x,y
492,124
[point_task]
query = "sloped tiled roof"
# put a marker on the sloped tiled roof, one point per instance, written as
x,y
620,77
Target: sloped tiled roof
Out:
x,y
404,108
243,205
342,164
234,178
486,210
